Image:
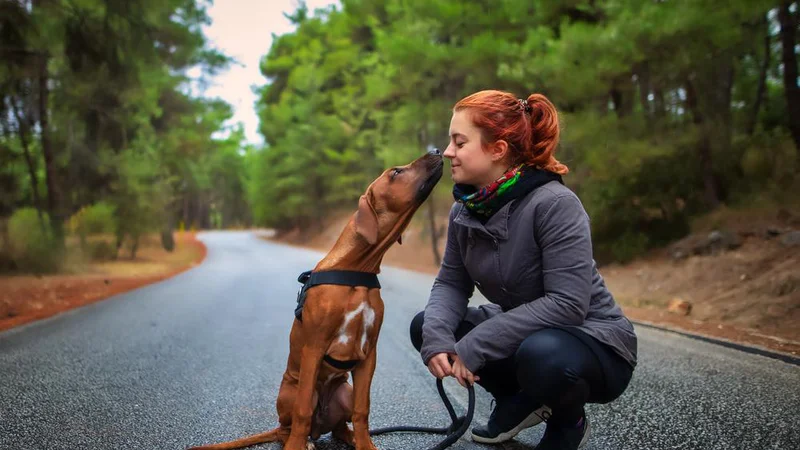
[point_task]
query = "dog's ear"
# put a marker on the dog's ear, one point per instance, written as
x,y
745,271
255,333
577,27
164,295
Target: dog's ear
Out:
x,y
367,220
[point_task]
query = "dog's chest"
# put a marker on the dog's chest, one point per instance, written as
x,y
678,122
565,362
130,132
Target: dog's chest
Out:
x,y
353,333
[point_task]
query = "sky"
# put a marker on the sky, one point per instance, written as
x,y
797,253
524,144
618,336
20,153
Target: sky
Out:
x,y
243,29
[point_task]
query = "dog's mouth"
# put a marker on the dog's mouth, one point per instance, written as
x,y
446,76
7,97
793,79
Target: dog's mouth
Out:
x,y
434,176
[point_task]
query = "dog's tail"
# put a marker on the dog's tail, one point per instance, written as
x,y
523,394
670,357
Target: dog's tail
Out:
x,y
269,436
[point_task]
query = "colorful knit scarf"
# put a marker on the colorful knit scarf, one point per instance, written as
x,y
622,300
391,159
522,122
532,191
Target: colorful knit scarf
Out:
x,y
484,201
516,182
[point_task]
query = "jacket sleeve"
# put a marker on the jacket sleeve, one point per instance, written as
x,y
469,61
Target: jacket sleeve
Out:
x,y
448,300
564,235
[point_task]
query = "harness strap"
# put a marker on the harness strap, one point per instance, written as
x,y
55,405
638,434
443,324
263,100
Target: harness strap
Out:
x,y
340,277
352,278
341,365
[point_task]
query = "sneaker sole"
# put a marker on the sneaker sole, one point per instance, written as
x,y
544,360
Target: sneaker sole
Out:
x,y
586,433
535,418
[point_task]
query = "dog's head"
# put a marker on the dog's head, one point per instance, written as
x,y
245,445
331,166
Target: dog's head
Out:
x,y
392,199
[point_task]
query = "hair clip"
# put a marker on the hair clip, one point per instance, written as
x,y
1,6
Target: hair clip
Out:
x,y
525,106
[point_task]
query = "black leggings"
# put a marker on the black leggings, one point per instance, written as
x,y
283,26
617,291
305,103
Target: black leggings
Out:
x,y
561,369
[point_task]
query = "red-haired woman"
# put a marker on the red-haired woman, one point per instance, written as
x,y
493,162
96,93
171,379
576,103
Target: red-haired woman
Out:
x,y
552,339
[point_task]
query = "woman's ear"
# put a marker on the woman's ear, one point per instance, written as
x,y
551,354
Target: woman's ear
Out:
x,y
498,150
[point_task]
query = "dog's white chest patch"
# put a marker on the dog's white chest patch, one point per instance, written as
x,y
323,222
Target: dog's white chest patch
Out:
x,y
368,322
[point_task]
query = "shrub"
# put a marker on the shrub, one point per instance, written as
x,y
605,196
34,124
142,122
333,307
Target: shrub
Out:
x,y
101,251
33,247
94,219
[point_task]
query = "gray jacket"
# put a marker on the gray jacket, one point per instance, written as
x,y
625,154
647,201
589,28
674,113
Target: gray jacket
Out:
x,y
536,267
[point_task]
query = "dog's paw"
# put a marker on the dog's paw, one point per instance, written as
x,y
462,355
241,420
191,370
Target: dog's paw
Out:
x,y
343,433
368,445
298,444
310,446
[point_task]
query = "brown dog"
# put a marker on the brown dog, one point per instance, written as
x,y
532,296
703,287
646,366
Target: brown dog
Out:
x,y
343,322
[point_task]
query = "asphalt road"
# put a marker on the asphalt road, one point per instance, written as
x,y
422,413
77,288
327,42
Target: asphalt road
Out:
x,y
199,357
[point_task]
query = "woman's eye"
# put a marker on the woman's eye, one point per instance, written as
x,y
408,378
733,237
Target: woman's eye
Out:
x,y
460,144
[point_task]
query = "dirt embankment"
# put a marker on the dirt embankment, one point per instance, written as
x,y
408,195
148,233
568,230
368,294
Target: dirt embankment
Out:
x,y
25,298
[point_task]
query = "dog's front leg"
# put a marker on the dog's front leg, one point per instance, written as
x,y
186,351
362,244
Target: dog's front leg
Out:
x,y
362,381
303,404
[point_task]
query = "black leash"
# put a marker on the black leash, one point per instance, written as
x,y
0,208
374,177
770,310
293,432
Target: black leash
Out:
x,y
453,432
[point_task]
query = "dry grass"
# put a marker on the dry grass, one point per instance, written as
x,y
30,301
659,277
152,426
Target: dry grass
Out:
x,y
25,298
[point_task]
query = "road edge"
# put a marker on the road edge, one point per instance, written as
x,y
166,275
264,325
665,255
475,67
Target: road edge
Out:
x,y
747,348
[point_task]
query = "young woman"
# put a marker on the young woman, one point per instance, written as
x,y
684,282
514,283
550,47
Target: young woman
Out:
x,y
552,339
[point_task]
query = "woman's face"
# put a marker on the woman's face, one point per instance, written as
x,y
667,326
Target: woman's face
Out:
x,y
470,163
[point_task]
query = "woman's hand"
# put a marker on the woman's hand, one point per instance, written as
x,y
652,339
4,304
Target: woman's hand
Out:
x,y
462,374
440,366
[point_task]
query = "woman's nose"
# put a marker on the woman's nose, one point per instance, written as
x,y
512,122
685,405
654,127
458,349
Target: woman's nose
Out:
x,y
449,152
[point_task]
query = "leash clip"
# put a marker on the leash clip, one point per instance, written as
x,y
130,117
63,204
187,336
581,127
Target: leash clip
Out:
x,y
304,277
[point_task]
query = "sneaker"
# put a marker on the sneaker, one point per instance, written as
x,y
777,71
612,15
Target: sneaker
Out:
x,y
560,437
511,414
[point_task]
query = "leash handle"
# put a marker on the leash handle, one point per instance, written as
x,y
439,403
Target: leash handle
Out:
x,y
456,429
446,400
460,424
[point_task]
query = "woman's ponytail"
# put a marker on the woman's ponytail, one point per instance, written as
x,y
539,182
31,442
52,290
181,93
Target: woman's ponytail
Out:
x,y
545,133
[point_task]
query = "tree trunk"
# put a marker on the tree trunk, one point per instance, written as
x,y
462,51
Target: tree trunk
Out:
x,y
185,211
120,239
762,80
616,100
53,189
659,104
135,246
710,192
437,258
643,79
788,41
24,134
622,94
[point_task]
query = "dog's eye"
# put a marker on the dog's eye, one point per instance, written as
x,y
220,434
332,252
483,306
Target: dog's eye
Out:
x,y
396,172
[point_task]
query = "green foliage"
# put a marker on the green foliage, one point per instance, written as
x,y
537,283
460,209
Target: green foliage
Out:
x,y
638,188
657,102
141,195
122,131
94,219
33,248
668,108
767,157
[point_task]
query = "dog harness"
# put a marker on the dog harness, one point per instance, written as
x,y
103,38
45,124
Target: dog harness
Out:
x,y
352,278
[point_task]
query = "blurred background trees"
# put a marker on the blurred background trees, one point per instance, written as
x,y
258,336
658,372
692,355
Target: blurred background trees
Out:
x,y
669,109
96,116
